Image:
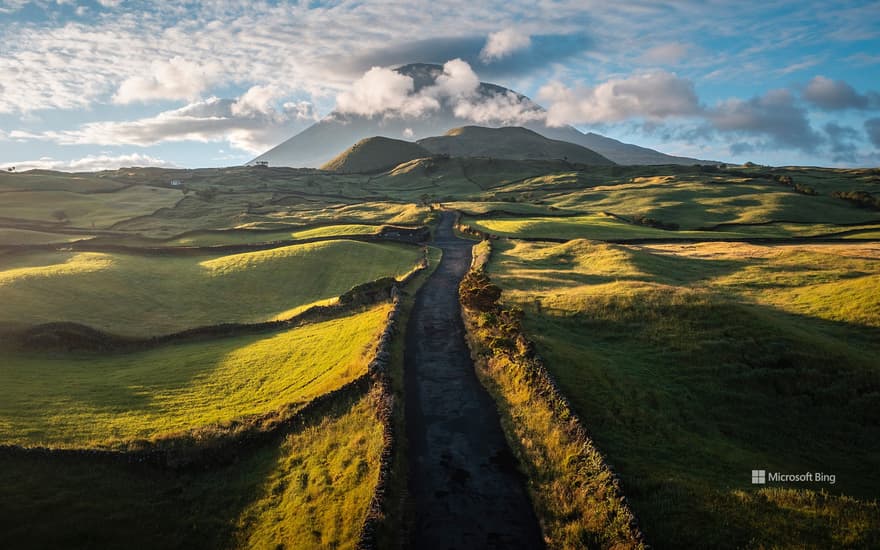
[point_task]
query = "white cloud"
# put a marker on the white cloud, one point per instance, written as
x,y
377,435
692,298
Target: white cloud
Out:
x,y
387,93
251,123
457,81
665,54
90,163
176,78
653,96
384,91
503,43
506,109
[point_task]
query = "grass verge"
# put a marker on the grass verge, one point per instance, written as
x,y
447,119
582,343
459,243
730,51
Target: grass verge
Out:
x,y
576,496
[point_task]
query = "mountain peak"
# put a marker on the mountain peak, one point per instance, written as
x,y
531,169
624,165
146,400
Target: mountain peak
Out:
x,y
322,141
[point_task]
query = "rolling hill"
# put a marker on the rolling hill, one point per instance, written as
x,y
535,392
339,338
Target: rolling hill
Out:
x,y
375,154
320,142
515,143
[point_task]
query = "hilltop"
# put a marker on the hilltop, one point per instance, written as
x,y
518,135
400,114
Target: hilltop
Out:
x,y
515,143
375,154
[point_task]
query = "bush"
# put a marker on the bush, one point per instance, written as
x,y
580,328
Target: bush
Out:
x,y
862,199
478,293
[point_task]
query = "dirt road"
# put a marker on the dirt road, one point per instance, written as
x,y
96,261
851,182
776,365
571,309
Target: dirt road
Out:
x,y
463,481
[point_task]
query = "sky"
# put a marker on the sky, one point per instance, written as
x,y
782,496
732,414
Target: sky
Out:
x,y
109,83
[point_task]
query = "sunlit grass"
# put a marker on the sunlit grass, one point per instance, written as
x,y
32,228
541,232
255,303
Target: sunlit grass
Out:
x,y
99,210
310,491
693,364
76,400
252,237
148,295
318,493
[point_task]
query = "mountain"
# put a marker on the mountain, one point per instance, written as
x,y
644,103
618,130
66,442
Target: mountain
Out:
x,y
320,142
508,143
375,154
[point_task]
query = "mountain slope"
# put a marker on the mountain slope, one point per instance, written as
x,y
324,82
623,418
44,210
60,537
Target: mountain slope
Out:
x,y
510,142
375,154
320,142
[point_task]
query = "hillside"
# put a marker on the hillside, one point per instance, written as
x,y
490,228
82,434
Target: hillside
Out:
x,y
374,155
515,143
318,143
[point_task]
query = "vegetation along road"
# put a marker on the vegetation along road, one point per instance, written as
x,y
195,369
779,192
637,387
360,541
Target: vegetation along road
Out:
x,y
463,478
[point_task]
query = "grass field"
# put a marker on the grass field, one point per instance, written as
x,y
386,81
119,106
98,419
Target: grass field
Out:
x,y
85,400
148,295
317,495
9,236
252,237
98,210
589,226
312,490
688,379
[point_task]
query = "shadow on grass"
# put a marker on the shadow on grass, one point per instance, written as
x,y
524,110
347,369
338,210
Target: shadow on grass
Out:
x,y
686,394
70,501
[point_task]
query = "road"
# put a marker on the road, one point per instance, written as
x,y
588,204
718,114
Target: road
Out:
x,y
467,491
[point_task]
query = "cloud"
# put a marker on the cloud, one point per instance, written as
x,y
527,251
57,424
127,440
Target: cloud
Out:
x,y
841,139
387,93
506,109
503,43
90,163
665,54
250,123
176,78
458,80
654,95
775,116
872,127
836,95
545,50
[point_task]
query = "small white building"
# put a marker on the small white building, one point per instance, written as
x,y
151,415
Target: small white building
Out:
x,y
176,183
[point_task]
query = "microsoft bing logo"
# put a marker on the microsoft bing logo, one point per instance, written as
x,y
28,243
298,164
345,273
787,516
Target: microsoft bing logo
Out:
x,y
759,477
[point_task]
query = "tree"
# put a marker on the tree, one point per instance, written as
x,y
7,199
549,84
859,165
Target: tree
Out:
x,y
59,215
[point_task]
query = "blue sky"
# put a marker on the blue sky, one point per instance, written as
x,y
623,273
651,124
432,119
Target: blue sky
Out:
x,y
91,85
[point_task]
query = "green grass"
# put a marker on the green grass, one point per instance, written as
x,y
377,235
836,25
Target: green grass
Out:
x,y
688,379
251,237
98,210
85,400
45,180
311,490
588,226
318,494
10,236
148,295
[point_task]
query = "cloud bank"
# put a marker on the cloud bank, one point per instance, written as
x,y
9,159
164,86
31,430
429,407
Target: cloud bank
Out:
x,y
90,163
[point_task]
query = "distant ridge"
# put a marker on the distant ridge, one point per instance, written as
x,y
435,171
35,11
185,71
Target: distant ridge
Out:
x,y
511,142
375,154
320,142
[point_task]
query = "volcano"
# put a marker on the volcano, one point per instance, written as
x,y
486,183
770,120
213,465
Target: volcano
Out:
x,y
324,140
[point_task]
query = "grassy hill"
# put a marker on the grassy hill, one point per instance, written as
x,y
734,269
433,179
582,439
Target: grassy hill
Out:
x,y
313,487
692,366
135,295
88,400
513,143
375,154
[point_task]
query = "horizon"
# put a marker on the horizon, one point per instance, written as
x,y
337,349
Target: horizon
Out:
x,y
102,85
